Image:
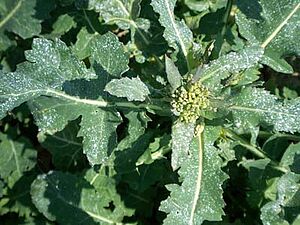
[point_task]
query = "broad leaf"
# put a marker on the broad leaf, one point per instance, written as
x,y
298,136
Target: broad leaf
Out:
x,y
290,159
97,126
52,114
203,5
65,148
221,68
17,157
87,203
50,65
177,34
124,13
20,17
17,197
82,47
136,127
199,197
182,136
62,25
110,54
133,89
255,106
288,199
275,26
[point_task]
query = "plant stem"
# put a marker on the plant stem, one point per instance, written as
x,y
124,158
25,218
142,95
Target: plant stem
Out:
x,y
245,144
265,134
259,153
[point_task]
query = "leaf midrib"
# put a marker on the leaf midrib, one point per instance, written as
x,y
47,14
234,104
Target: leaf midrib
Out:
x,y
13,149
199,178
245,108
175,27
11,14
279,28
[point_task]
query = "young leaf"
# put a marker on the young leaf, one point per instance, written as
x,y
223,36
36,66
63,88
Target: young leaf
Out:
x,y
177,34
110,54
62,25
275,212
133,89
83,205
199,197
256,106
274,25
173,74
82,47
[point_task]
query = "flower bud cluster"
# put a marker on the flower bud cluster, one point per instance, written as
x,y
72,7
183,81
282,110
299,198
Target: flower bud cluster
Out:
x,y
190,100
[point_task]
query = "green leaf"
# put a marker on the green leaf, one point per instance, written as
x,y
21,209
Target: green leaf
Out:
x,y
290,158
17,197
177,34
20,17
203,5
65,148
133,89
255,106
199,197
173,74
17,157
99,134
273,25
122,12
82,47
110,54
97,126
288,189
136,127
63,24
223,67
87,203
50,65
182,136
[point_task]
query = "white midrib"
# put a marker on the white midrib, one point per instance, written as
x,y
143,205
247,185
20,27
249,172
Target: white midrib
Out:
x,y
15,156
278,29
199,179
11,14
244,108
175,28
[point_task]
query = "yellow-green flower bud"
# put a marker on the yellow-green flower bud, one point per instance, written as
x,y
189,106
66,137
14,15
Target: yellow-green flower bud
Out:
x,y
190,100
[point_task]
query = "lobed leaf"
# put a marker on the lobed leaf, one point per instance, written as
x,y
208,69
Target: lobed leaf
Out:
x,y
110,54
275,26
234,62
20,17
254,106
87,203
199,197
177,34
182,136
288,198
17,157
